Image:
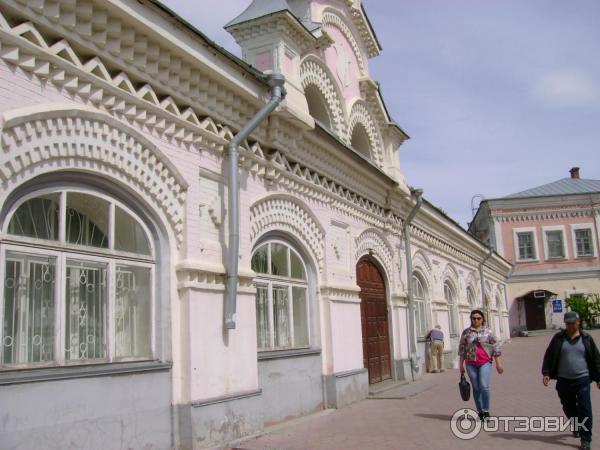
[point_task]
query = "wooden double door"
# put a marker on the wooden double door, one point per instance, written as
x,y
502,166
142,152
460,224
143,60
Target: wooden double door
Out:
x,y
535,313
374,320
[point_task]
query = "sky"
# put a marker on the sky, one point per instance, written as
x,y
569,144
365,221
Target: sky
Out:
x,y
497,96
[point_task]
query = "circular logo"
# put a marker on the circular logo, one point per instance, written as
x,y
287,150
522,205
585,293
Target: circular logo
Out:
x,y
465,424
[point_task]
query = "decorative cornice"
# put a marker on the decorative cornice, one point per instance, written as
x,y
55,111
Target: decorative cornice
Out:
x,y
542,215
341,294
202,276
282,22
360,21
146,55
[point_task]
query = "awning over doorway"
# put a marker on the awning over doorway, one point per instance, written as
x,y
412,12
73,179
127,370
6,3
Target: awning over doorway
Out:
x,y
538,293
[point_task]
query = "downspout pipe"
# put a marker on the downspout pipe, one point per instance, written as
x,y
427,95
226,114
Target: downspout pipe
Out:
x,y
418,193
482,280
276,81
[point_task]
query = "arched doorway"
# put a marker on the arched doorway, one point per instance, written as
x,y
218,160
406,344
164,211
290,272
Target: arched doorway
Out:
x,y
374,320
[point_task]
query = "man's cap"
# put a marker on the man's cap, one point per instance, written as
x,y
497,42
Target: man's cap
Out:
x,y
571,317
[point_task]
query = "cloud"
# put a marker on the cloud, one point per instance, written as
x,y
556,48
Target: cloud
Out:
x,y
565,88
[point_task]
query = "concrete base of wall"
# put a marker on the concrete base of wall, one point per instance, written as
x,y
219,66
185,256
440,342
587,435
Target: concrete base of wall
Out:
x,y
345,388
96,413
451,359
292,386
214,421
403,369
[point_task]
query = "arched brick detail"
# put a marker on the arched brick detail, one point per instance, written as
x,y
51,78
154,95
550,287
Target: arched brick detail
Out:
x,y
282,212
312,72
359,114
67,137
372,242
331,18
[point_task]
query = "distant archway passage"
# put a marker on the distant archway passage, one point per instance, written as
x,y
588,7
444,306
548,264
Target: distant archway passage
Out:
x,y
374,320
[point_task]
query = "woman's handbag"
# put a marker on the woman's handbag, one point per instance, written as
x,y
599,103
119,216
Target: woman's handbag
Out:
x,y
464,387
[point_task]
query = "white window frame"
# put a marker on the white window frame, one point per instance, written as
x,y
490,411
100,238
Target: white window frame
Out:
x,y
584,226
516,232
473,304
452,307
270,280
425,301
547,256
62,251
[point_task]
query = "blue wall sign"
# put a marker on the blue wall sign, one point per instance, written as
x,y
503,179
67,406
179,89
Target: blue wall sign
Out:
x,y
557,305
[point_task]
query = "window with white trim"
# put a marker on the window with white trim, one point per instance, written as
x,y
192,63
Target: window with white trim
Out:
x,y
78,270
555,245
471,297
583,242
500,318
526,245
421,299
450,299
282,293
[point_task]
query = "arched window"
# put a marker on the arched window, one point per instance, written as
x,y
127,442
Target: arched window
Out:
x,y
421,299
360,140
78,272
282,314
500,318
317,106
451,300
471,297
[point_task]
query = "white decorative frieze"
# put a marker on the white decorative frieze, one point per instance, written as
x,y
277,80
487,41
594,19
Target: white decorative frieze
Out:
x,y
43,139
281,212
314,73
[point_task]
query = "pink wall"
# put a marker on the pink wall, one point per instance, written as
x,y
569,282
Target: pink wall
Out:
x,y
571,261
352,90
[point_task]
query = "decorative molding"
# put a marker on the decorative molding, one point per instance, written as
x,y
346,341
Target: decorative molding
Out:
x,y
91,82
173,71
330,17
21,376
361,23
372,242
341,294
543,215
286,213
281,23
314,73
201,276
59,137
359,114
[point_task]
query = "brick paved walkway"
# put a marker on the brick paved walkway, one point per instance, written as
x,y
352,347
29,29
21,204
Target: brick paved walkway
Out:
x,y
422,421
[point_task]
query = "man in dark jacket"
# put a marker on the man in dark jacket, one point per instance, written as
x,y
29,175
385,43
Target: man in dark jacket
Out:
x,y
573,360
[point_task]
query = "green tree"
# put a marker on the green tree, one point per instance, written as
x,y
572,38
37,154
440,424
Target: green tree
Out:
x,y
587,306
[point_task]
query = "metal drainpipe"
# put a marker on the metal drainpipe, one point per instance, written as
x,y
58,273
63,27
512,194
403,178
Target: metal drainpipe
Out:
x,y
411,301
481,264
278,93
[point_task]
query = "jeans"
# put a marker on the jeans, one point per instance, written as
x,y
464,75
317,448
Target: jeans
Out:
x,y
576,402
480,381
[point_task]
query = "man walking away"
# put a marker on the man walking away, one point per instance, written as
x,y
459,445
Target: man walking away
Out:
x,y
436,349
573,360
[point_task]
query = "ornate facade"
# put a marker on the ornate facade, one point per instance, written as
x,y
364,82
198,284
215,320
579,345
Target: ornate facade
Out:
x,y
550,234
115,118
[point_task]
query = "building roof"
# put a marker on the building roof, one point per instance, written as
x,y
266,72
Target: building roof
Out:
x,y
565,186
263,8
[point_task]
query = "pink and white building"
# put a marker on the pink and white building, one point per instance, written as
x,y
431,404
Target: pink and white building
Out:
x,y
116,328
551,235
